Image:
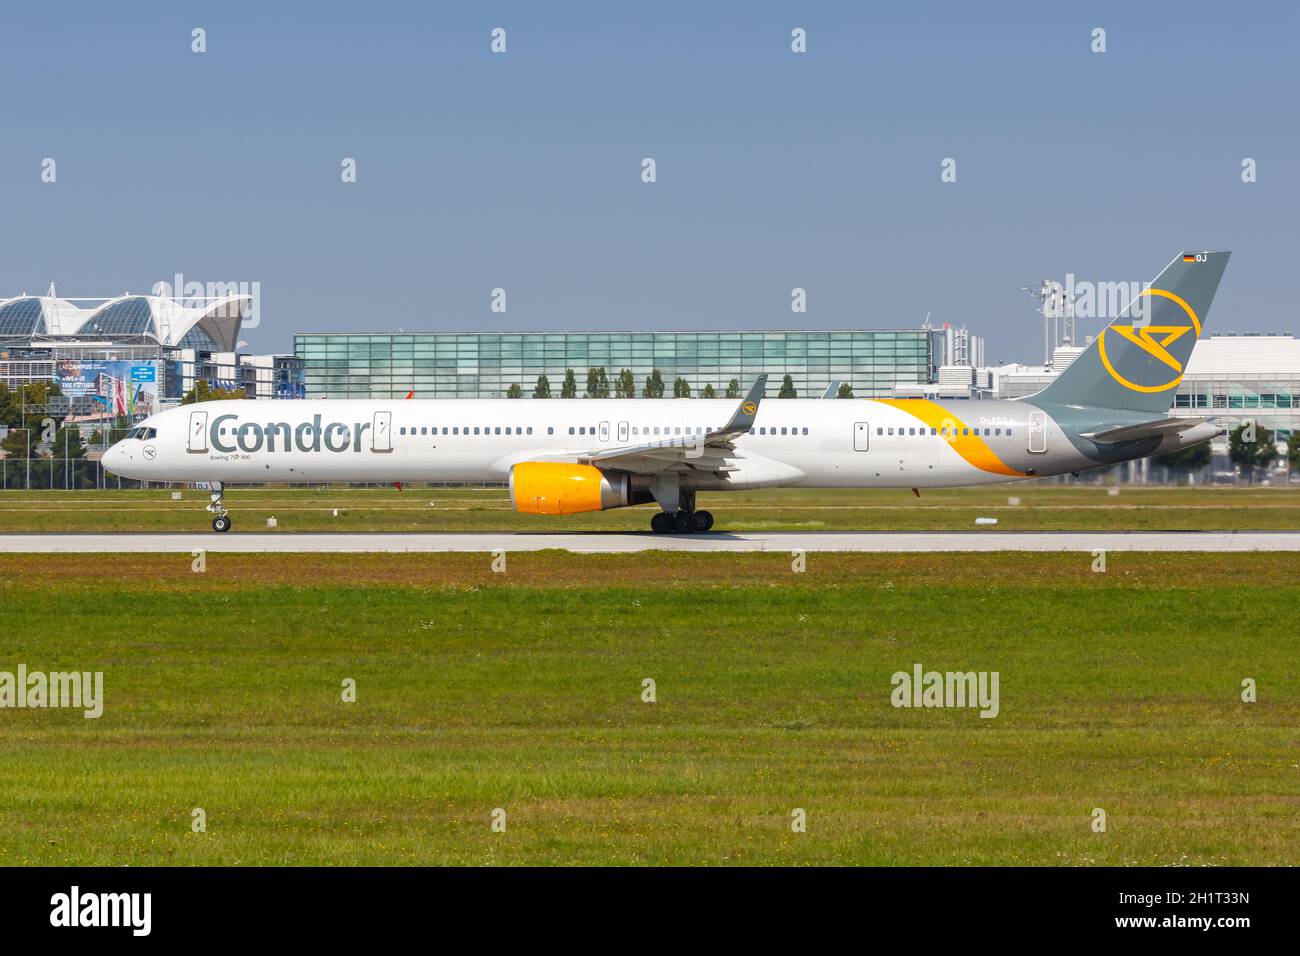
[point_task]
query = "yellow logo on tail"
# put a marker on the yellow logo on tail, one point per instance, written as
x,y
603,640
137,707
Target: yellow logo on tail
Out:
x,y
1144,339
1155,341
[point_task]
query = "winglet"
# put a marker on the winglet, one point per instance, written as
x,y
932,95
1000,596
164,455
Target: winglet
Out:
x,y
743,418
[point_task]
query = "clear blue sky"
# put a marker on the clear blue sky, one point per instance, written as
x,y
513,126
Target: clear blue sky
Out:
x,y
775,170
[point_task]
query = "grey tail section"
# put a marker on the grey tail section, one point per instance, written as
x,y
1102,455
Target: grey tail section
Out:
x,y
1137,361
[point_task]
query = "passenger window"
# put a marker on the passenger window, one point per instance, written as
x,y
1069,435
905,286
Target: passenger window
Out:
x,y
530,429
805,431
997,431
783,431
891,431
497,430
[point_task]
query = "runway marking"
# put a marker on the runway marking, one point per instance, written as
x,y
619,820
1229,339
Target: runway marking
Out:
x,y
623,542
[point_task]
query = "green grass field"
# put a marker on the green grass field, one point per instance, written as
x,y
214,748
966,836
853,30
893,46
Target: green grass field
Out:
x,y
522,690
1046,507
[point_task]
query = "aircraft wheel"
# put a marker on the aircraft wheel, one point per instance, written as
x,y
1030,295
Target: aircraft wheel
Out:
x,y
221,523
661,523
683,522
703,521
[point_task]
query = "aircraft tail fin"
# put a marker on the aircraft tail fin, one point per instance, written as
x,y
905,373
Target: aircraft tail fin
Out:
x,y
1137,361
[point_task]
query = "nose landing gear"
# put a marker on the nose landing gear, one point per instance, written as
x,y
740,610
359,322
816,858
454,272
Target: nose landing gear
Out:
x,y
220,523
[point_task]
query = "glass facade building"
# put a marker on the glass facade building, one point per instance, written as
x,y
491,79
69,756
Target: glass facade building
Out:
x,y
487,364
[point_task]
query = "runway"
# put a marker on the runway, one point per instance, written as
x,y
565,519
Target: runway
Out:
x,y
884,542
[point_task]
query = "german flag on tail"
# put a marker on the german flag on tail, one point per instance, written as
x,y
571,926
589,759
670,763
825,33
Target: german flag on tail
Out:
x,y
1189,257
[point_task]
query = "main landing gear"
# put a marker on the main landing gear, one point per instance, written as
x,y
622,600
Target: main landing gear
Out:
x,y
678,515
681,522
221,521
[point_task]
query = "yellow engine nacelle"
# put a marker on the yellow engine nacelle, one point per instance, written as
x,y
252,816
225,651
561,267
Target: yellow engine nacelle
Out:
x,y
560,488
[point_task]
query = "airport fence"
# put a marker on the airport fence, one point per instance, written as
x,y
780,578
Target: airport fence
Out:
x,y
51,473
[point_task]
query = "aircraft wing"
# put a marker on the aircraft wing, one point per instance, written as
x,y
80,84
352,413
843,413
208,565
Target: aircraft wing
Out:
x,y
1157,428
711,452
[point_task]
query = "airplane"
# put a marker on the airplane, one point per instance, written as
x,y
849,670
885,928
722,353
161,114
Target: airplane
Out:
x,y
566,456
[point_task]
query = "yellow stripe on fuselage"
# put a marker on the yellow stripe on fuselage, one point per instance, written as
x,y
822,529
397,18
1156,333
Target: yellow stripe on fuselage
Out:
x,y
971,447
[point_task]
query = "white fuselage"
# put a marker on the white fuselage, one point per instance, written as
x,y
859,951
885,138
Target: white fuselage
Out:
x,y
806,442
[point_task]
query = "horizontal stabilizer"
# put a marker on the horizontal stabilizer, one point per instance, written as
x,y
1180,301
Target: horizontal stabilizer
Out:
x,y
1153,429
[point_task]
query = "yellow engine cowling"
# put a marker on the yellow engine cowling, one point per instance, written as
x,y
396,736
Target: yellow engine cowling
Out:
x,y
560,488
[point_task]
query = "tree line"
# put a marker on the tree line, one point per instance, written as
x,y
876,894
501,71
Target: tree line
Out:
x,y
599,385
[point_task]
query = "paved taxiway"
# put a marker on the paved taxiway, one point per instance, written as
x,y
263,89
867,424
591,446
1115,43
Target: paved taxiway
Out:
x,y
622,542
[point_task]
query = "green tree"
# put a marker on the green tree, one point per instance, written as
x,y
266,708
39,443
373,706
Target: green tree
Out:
x,y
203,392
787,388
515,391
1250,446
543,389
30,397
15,443
709,392
597,383
733,389
1186,459
845,390
626,386
654,385
1293,449
63,465
569,388
681,388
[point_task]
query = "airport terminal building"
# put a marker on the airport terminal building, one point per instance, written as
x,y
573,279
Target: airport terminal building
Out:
x,y
133,354
487,364
1231,377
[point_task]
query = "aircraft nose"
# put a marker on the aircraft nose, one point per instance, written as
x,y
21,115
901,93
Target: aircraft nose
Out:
x,y
112,458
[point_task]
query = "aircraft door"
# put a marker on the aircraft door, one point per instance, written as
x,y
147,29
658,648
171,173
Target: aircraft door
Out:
x,y
622,433
381,432
861,436
1038,432
198,441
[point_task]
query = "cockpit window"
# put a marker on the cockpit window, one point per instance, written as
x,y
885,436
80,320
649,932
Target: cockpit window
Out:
x,y
142,433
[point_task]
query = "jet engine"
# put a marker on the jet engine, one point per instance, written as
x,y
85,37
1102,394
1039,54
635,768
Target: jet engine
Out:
x,y
561,488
